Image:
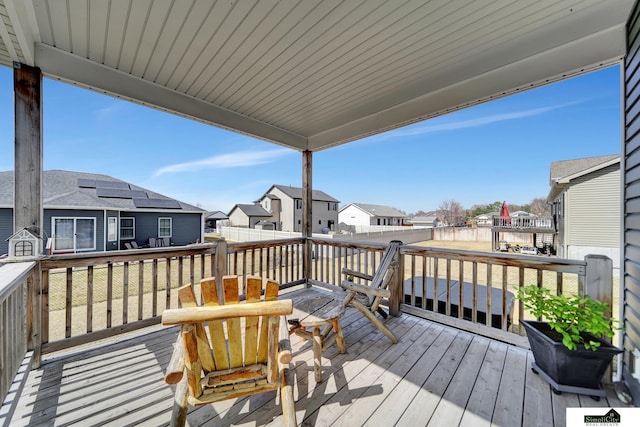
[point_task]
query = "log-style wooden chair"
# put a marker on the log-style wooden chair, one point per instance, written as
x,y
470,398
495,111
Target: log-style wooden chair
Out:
x,y
367,298
245,352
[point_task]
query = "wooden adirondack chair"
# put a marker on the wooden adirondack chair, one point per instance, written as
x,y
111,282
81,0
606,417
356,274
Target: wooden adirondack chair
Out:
x,y
253,358
367,298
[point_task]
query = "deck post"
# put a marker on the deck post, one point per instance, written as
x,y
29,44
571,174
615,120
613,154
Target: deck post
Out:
x,y
599,286
307,201
221,267
27,202
397,286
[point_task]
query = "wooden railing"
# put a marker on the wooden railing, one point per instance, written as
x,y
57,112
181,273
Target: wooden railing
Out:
x,y
84,298
523,222
435,283
93,296
15,320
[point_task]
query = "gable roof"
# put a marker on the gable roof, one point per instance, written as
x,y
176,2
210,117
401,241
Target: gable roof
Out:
x,y
565,168
296,193
251,210
81,190
562,172
216,215
377,210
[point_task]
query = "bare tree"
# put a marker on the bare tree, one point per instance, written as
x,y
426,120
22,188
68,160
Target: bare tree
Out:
x,y
452,212
539,206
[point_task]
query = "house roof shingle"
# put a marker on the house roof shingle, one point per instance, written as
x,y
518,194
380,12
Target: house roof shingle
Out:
x,y
378,210
296,193
61,190
251,210
564,168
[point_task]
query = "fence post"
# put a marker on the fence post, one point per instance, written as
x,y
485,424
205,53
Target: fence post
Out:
x,y
221,267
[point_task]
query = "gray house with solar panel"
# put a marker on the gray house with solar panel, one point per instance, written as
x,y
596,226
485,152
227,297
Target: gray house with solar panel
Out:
x,y
86,212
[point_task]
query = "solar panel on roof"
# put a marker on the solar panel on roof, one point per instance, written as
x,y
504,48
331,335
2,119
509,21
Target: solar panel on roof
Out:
x,y
121,194
112,184
86,183
156,203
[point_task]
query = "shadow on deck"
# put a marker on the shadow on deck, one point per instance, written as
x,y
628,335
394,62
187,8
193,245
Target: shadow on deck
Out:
x,y
435,375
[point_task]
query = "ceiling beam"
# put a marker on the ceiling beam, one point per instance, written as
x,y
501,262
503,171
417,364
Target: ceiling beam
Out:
x,y
83,72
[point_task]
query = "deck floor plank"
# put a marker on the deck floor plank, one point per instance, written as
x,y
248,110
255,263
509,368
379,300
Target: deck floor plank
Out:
x,y
482,401
435,374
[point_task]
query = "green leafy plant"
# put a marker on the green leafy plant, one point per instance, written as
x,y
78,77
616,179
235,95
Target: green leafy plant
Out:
x,y
570,316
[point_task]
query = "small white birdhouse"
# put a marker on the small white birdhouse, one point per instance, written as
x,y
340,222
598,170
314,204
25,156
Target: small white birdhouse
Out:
x,y
24,244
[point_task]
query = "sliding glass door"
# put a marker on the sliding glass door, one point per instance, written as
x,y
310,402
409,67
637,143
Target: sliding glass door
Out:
x,y
74,234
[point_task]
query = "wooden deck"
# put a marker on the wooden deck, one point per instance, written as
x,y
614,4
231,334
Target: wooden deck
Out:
x,y
435,375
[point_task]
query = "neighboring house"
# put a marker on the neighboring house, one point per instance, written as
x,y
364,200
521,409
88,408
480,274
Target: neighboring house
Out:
x,y
211,219
585,198
247,215
425,221
365,214
485,219
282,205
86,212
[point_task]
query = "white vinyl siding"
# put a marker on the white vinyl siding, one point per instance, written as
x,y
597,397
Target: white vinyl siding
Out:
x,y
593,209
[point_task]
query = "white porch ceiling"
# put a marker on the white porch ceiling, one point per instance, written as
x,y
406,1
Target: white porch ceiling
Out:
x,y
311,74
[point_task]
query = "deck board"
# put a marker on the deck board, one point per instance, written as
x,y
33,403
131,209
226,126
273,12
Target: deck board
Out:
x,y
435,375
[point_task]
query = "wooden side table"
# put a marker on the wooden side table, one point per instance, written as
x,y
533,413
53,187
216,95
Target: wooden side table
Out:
x,y
321,311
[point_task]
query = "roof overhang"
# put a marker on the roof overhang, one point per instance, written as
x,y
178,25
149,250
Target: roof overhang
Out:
x,y
312,75
559,185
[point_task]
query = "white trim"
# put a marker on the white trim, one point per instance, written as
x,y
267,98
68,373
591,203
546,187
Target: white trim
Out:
x,y
132,218
75,240
170,226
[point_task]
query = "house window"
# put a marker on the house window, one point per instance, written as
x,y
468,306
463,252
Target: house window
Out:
x,y
320,222
74,234
112,229
164,227
127,228
333,206
298,204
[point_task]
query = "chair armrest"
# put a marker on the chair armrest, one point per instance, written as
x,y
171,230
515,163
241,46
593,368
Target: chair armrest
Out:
x,y
364,289
284,344
175,369
354,273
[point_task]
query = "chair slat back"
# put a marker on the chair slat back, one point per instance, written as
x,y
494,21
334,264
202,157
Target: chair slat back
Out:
x,y
386,269
216,327
187,298
270,294
234,328
254,289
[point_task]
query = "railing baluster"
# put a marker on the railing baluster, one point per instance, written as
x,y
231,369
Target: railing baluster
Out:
x,y
140,289
504,299
436,303
68,302
460,289
520,303
44,309
154,287
447,308
125,293
167,270
487,320
109,293
90,298
424,283
474,308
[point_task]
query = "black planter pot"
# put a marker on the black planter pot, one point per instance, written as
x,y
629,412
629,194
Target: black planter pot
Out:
x,y
577,371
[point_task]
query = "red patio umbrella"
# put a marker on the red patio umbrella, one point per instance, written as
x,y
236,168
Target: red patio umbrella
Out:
x,y
504,213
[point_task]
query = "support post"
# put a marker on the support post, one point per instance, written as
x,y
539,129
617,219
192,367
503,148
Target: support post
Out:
x,y
27,205
221,268
598,284
27,201
307,201
397,286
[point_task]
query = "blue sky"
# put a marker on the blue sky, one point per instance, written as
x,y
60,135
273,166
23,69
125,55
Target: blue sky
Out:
x,y
500,150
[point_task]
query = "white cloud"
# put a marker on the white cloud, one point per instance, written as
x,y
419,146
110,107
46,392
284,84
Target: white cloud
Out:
x,y
480,121
231,160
